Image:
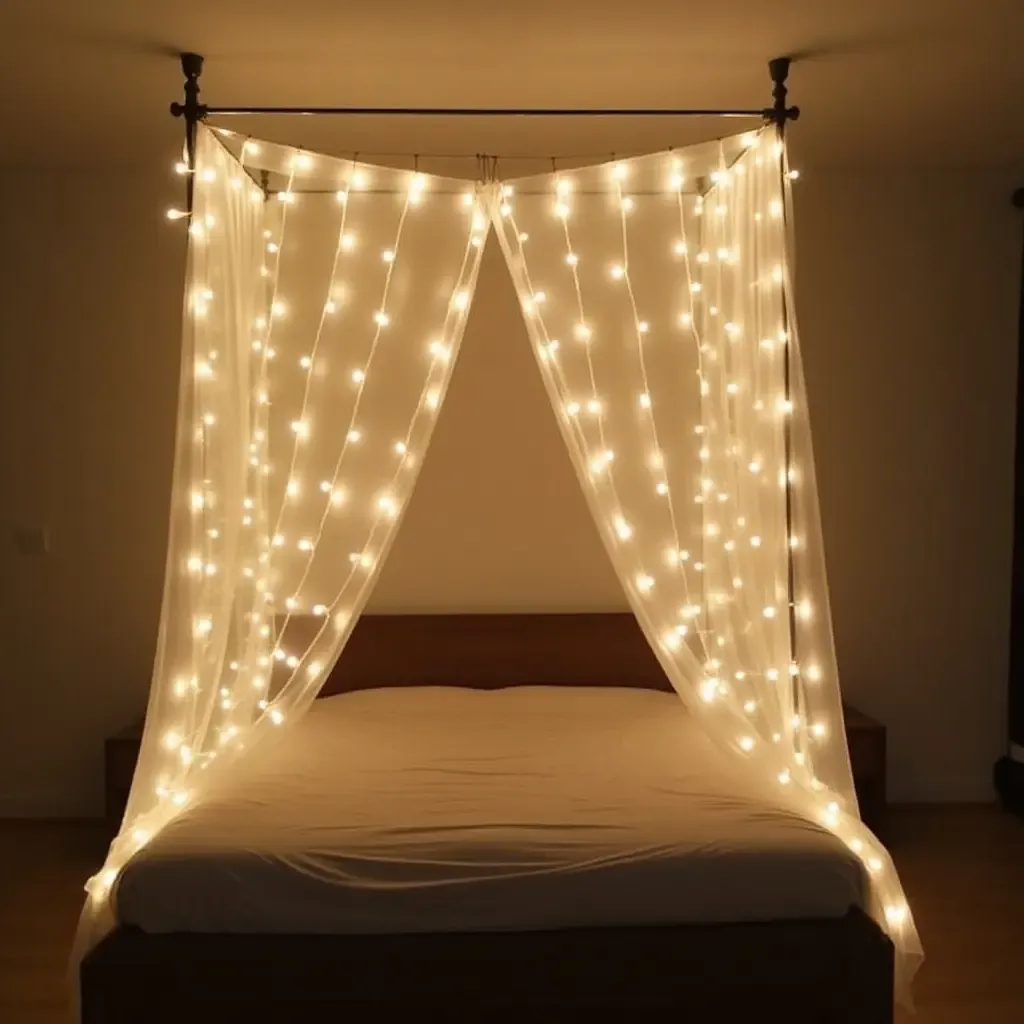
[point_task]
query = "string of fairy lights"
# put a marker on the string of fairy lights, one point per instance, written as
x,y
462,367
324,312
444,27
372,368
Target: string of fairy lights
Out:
x,y
721,630
597,464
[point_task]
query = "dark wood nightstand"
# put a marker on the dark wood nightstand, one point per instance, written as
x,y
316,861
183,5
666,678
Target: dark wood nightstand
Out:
x,y
866,739
120,755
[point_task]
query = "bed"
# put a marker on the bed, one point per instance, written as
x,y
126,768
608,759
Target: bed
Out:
x,y
565,846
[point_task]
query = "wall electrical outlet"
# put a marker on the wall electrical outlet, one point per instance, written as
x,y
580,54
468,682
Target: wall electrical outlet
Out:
x,y
32,540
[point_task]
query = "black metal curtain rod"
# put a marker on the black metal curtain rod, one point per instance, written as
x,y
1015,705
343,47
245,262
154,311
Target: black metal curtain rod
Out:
x,y
207,111
193,111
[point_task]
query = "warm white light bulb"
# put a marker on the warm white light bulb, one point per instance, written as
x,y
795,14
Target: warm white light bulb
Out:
x,y
358,376
354,436
644,583
622,529
439,350
746,743
572,259
381,318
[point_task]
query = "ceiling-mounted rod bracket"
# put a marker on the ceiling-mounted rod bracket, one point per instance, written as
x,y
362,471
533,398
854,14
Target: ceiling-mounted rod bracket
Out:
x,y
193,112
778,113
191,109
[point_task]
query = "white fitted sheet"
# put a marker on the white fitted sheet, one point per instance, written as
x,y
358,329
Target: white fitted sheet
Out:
x,y
446,809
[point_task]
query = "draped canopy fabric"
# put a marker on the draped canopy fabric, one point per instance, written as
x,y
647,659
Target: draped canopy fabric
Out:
x,y
326,302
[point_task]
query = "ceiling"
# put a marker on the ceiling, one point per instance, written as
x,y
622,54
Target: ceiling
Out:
x,y
908,83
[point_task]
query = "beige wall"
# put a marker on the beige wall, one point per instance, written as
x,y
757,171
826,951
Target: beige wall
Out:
x,y
908,304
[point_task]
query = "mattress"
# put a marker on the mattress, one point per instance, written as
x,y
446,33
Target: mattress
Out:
x,y
436,809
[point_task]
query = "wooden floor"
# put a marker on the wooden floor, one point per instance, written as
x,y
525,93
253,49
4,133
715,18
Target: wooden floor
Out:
x,y
963,868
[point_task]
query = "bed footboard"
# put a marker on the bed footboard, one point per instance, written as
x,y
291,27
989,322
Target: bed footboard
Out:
x,y
803,972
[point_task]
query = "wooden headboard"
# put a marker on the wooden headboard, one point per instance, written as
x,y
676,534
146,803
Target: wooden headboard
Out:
x,y
492,651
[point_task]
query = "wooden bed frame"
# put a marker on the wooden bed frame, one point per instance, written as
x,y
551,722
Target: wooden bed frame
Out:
x,y
802,972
